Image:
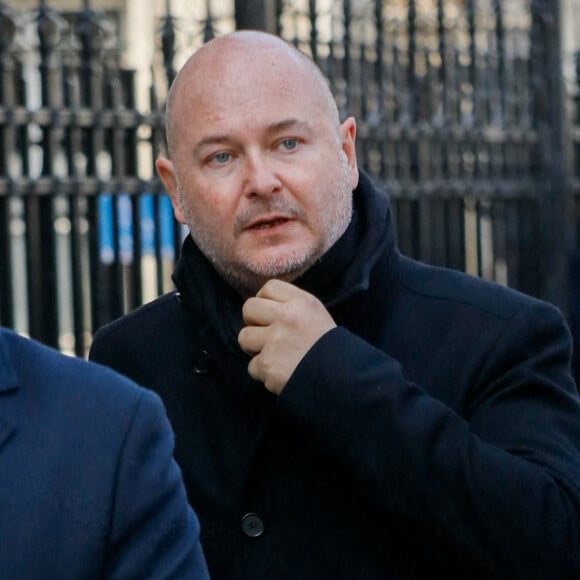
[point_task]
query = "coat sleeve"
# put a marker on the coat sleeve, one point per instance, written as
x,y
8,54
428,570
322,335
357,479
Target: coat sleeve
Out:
x,y
154,533
499,481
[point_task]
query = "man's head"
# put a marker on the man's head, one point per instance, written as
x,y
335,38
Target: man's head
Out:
x,y
260,168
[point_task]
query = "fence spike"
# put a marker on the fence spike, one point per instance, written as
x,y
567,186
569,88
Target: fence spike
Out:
x,y
7,27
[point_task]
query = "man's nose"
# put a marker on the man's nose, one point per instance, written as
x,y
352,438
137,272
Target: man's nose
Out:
x,y
260,176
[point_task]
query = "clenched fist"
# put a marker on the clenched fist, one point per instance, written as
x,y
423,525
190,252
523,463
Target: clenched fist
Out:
x,y
282,324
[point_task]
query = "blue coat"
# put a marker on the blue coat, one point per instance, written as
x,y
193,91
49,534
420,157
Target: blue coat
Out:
x,y
88,486
435,433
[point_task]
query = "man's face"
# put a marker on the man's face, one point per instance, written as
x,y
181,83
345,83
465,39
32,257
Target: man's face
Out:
x,y
263,174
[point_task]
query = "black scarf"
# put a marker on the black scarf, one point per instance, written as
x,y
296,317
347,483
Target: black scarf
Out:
x,y
342,272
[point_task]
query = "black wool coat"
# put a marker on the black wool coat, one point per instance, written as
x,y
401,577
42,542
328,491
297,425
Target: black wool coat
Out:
x,y
435,433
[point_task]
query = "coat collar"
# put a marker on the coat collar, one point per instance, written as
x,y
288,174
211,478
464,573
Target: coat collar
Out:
x,y
340,276
8,382
343,271
8,374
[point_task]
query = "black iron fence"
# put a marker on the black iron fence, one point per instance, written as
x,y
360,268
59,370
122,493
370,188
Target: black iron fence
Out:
x,y
461,116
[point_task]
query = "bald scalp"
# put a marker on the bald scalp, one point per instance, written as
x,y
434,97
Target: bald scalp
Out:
x,y
215,55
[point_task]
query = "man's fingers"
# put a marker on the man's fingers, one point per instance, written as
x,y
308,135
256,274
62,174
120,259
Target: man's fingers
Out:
x,y
251,339
259,311
282,324
269,302
264,308
254,370
279,291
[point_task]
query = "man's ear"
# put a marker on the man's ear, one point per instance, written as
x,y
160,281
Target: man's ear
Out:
x,y
166,173
348,134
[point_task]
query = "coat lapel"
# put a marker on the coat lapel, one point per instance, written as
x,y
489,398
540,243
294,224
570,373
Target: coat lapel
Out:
x,y
8,382
6,430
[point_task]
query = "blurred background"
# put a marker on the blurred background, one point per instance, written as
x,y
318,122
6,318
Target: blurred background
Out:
x,y
468,113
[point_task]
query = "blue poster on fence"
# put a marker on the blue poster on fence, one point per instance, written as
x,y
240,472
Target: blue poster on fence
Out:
x,y
153,231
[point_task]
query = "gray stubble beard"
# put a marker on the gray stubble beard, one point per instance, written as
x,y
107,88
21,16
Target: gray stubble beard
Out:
x,y
247,279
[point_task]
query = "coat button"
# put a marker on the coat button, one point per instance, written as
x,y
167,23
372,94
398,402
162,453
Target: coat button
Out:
x,y
252,525
202,362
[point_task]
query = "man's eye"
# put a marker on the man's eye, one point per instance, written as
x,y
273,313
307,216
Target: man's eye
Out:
x,y
221,157
289,144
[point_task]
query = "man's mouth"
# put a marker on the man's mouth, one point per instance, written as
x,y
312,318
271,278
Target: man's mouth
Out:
x,y
267,224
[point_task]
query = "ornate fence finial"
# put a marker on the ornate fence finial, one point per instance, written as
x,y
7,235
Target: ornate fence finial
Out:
x,y
442,46
208,28
49,26
168,44
312,13
577,71
412,101
7,27
472,70
500,47
89,32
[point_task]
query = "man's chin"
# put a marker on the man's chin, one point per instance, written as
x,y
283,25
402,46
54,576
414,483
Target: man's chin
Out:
x,y
249,282
285,271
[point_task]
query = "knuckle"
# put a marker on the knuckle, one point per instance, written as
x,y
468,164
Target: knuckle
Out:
x,y
294,320
312,301
247,307
253,368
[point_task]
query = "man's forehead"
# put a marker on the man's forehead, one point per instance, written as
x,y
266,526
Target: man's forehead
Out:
x,y
280,91
240,74
231,59
244,68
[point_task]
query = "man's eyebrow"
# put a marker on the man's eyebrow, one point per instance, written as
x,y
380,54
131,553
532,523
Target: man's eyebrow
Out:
x,y
287,124
276,127
212,140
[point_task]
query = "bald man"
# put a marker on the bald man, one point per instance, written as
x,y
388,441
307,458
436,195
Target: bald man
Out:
x,y
341,411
